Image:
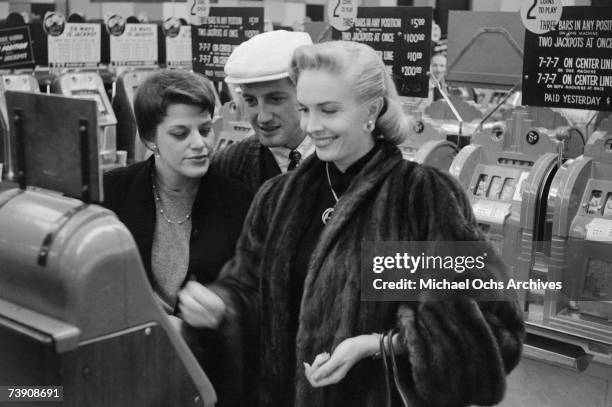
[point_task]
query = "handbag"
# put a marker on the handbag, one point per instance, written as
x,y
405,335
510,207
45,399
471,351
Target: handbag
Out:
x,y
383,352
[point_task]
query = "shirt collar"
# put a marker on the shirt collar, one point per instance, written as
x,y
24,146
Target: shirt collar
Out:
x,y
281,154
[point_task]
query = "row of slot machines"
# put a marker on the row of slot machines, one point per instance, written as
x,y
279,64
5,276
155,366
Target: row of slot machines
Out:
x,y
119,143
83,85
544,199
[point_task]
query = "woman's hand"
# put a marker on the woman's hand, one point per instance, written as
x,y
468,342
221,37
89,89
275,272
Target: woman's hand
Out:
x,y
326,369
200,307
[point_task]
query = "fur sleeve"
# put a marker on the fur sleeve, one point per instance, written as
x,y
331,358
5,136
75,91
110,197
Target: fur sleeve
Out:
x,y
440,208
459,351
238,282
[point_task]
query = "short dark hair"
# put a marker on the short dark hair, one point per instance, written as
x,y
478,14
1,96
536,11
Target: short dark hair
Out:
x,y
168,87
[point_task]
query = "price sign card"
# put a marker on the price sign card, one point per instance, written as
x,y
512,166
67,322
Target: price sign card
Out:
x,y
135,46
402,38
77,46
16,48
571,66
219,34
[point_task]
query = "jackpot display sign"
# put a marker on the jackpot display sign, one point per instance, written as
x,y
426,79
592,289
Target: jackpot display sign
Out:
x,y
16,48
571,66
136,45
77,46
219,34
402,37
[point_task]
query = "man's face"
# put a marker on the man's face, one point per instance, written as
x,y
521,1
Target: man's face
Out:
x,y
438,66
272,110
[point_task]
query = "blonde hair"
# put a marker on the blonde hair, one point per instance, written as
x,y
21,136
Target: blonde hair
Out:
x,y
363,68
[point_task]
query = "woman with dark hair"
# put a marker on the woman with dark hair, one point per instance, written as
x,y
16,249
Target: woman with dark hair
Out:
x,y
299,259
184,218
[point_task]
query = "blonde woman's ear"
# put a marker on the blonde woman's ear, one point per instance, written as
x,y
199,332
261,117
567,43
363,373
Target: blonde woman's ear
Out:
x,y
375,108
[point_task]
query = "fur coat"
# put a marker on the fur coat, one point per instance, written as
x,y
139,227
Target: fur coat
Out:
x,y
457,353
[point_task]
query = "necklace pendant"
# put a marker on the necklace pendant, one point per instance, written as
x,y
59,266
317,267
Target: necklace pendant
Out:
x,y
327,214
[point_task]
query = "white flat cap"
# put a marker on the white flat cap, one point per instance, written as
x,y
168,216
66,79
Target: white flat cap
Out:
x,y
265,57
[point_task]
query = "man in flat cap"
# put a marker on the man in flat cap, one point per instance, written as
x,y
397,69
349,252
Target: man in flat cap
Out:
x,y
259,68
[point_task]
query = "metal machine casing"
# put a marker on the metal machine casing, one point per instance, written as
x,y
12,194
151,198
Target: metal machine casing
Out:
x,y
89,85
580,207
76,309
123,102
473,37
565,351
427,145
231,126
496,170
20,82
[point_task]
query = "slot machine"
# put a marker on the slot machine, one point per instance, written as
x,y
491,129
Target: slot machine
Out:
x,y
427,144
231,124
123,102
496,169
567,357
76,308
89,85
555,123
19,82
230,133
580,205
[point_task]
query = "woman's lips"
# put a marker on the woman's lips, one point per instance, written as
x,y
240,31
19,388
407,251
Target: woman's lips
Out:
x,y
198,158
323,141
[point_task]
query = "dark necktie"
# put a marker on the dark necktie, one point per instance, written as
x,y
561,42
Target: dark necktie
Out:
x,y
294,159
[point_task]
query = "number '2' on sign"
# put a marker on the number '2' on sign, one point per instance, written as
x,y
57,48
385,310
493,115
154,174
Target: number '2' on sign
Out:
x,y
342,13
200,9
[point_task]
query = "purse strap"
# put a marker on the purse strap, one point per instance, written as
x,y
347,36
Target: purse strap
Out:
x,y
398,385
383,356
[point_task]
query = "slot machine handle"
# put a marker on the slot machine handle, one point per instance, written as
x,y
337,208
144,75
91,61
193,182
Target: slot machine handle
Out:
x,y
448,101
577,361
563,138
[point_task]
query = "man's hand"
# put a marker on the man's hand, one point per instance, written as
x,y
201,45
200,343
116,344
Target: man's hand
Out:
x,y
200,307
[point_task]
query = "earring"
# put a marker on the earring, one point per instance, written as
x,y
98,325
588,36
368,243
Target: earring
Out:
x,y
369,126
155,150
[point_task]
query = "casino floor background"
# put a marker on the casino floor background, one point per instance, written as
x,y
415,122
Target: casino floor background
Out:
x,y
519,115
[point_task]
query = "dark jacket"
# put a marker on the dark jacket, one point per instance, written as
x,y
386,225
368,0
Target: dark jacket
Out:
x,y
217,216
248,162
458,353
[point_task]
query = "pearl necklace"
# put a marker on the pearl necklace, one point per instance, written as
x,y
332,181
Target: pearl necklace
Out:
x,y
327,213
161,208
